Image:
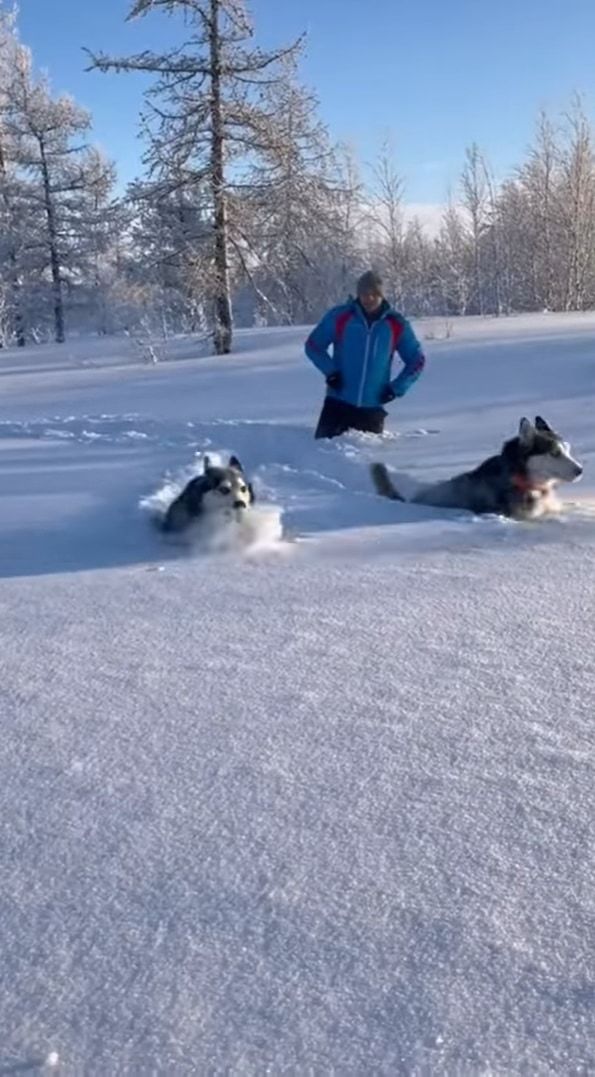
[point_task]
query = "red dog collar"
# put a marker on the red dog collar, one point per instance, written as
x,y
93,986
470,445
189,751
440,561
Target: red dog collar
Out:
x,y
522,483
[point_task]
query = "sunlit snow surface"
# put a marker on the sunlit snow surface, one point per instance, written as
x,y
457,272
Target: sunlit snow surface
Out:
x,y
320,803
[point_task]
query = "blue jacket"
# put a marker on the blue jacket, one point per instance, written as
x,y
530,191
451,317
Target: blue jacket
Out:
x,y
363,353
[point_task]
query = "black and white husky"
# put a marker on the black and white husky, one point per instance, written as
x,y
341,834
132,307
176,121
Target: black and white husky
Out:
x,y
519,482
218,496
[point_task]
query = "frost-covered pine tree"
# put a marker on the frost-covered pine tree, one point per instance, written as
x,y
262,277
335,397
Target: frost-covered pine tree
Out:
x,y
497,300
386,212
521,261
417,271
96,224
475,202
62,180
577,204
538,181
453,263
284,212
171,232
205,117
351,248
12,320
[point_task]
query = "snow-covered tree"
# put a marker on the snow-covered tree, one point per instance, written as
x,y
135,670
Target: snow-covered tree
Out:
x,y
577,202
351,228
63,183
171,235
453,263
386,213
475,202
206,118
12,325
539,182
97,225
285,209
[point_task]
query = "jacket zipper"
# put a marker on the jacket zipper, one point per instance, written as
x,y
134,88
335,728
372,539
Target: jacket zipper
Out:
x,y
369,330
360,395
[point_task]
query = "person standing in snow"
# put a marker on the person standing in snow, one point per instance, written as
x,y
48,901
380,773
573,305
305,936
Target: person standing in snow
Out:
x,y
364,333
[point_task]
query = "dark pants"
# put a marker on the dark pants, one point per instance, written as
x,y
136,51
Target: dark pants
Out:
x,y
337,418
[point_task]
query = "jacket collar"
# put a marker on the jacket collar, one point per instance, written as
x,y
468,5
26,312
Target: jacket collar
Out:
x,y
359,310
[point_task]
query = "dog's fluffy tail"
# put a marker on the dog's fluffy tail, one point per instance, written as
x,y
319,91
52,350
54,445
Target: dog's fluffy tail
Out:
x,y
383,483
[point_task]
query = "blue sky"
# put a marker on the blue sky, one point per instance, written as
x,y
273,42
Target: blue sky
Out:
x,y
433,74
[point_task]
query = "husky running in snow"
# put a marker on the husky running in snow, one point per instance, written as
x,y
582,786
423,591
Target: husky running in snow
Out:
x,y
219,495
519,482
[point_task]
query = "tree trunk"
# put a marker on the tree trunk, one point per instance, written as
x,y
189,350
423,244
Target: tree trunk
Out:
x,y
53,244
17,312
18,323
477,267
547,241
223,316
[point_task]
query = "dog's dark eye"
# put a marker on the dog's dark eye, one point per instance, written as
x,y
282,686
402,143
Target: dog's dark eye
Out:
x,y
224,490
555,450
243,489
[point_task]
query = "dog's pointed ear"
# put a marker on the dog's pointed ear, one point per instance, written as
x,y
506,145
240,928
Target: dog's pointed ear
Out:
x,y
526,432
251,493
206,463
235,463
540,424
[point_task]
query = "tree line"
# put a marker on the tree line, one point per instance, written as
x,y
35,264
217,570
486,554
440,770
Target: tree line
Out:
x,y
248,213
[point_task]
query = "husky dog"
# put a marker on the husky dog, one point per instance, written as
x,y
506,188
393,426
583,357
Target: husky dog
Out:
x,y
519,482
219,494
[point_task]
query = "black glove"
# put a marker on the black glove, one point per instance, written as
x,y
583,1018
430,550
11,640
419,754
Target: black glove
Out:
x,y
387,395
335,380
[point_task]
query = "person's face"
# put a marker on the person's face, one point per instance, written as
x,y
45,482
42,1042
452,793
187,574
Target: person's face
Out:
x,y
370,301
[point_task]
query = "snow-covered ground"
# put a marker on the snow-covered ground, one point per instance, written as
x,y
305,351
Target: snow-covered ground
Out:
x,y
324,809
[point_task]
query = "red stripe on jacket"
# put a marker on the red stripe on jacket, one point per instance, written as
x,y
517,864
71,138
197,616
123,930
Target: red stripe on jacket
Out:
x,y
396,330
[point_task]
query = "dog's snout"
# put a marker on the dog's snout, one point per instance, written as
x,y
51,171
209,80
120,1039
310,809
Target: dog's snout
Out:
x,y
578,470
239,505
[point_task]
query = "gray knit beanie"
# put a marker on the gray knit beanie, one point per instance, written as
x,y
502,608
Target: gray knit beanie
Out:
x,y
370,282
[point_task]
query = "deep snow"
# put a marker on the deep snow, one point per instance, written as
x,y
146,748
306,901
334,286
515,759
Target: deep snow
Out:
x,y
328,808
